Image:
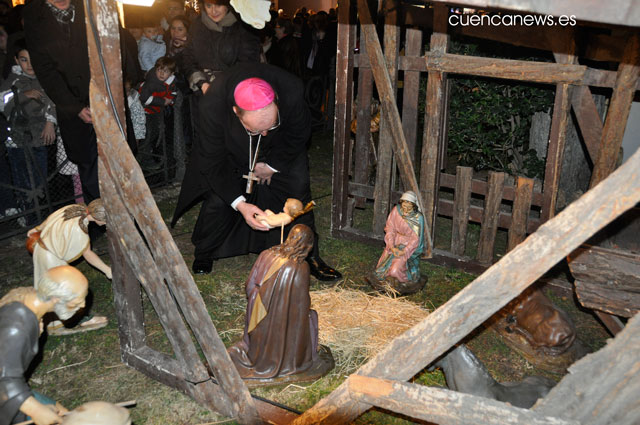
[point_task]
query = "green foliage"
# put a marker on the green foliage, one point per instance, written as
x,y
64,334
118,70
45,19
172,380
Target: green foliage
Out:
x,y
489,120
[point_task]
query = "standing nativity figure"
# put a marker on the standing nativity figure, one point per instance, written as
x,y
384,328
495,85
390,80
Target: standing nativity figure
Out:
x,y
61,239
398,269
280,342
61,290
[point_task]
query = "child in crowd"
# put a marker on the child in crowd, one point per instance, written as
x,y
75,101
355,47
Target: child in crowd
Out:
x,y
150,47
32,118
157,91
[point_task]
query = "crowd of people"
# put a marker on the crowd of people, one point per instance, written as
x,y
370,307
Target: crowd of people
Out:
x,y
171,55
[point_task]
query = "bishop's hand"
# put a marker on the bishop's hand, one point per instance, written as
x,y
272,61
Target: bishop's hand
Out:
x,y
263,172
249,212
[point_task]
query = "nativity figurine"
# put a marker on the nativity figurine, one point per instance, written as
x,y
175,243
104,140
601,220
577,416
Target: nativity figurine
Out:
x,y
280,341
98,413
290,210
61,290
398,269
63,238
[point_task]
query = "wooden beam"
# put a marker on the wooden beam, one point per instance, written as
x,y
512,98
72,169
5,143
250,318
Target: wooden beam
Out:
x,y
410,352
411,92
520,212
442,406
602,387
558,133
618,113
385,168
385,89
362,151
117,162
589,121
342,121
461,202
616,12
490,214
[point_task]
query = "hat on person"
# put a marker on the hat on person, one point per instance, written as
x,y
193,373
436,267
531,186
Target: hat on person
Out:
x,y
409,196
253,94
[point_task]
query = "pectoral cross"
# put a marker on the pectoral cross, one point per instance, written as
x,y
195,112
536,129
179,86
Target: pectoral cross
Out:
x,y
251,177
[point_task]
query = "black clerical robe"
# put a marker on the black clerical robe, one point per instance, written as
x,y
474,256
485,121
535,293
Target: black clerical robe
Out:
x,y
220,158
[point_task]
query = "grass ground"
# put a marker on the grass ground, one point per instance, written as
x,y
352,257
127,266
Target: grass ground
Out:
x,y
78,368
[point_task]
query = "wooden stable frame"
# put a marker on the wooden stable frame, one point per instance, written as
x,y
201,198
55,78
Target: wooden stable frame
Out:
x,y
572,81
601,388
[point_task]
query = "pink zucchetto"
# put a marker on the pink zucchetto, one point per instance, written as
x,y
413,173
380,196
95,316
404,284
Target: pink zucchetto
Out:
x,y
253,94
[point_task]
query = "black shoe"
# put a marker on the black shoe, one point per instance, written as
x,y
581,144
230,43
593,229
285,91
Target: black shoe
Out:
x,y
202,266
321,271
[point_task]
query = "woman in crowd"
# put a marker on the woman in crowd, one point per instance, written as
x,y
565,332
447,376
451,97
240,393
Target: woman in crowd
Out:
x,y
218,40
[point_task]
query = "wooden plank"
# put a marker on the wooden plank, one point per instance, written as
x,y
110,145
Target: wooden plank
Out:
x,y
618,113
558,134
602,387
520,212
409,353
385,89
362,165
117,162
442,406
141,266
617,12
613,324
127,299
446,207
434,108
385,166
480,187
540,72
489,225
342,120
461,202
411,92
589,121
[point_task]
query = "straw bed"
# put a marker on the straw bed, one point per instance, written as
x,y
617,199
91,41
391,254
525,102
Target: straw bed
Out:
x,y
356,325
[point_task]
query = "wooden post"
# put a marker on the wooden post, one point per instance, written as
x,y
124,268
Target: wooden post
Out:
x,y
461,203
618,113
588,118
411,92
520,212
362,164
342,134
409,353
490,213
385,166
383,83
434,108
129,197
559,121
441,406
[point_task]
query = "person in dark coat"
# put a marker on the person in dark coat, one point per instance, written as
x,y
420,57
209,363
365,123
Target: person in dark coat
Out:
x,y
217,41
285,52
57,41
250,105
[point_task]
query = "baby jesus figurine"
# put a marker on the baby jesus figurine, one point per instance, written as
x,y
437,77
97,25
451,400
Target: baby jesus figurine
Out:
x,y
292,210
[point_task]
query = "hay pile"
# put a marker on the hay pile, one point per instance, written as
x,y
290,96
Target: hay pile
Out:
x,y
356,325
